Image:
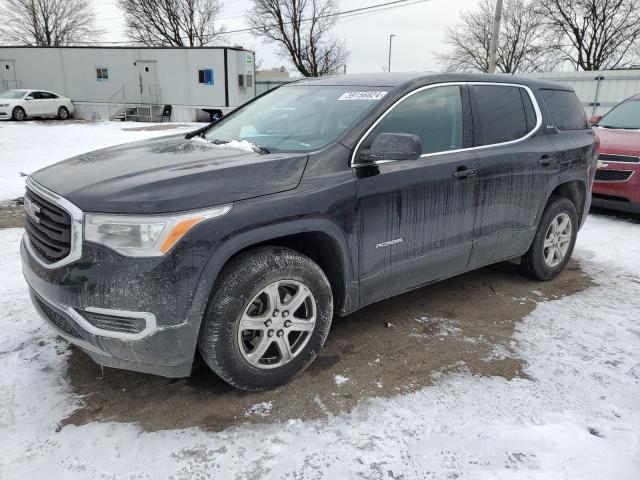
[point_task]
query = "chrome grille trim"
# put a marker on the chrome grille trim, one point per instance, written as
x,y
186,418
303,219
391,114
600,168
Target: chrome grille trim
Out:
x,y
75,251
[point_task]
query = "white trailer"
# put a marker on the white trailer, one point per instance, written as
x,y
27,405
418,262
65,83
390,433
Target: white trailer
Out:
x,y
135,82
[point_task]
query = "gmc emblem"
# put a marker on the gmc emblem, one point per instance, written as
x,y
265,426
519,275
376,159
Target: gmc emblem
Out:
x,y
31,209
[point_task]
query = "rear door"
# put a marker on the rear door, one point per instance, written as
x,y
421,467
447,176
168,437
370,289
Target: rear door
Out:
x,y
571,134
416,216
49,102
512,147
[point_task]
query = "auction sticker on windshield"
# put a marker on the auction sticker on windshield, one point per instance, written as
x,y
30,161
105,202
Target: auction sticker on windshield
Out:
x,y
362,95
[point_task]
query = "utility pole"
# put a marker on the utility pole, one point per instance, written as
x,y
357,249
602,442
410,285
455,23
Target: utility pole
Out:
x,y
493,46
390,39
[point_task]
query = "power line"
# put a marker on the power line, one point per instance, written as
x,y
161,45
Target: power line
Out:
x,y
345,13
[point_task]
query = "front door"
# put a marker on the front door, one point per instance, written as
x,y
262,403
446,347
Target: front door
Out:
x,y
416,216
148,84
8,79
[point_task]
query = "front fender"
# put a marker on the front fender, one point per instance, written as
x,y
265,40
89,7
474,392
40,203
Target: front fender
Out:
x,y
231,246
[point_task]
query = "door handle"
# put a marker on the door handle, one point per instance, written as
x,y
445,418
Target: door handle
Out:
x,y
463,173
547,160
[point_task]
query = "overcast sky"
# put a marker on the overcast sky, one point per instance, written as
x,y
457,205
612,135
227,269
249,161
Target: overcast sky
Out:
x,y
419,31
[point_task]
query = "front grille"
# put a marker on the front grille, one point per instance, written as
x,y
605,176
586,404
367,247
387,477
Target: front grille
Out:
x,y
48,227
58,318
608,157
612,175
114,323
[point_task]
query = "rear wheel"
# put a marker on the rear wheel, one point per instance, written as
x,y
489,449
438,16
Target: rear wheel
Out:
x,y
18,114
269,315
554,241
63,113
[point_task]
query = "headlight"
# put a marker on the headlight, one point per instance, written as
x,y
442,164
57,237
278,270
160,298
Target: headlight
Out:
x,y
144,235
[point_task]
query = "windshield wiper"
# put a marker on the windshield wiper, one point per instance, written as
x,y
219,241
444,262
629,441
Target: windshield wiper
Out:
x,y
262,150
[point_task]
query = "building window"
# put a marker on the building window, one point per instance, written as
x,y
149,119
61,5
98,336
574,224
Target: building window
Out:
x,y
146,69
245,81
7,67
205,76
102,74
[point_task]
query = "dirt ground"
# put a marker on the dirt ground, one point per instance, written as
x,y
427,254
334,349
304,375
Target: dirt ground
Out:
x,y
464,324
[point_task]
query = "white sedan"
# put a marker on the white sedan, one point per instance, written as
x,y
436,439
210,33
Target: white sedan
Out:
x,y
22,104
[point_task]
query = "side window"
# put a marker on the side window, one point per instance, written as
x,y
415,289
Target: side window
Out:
x,y
47,95
205,76
565,108
500,114
36,95
102,74
434,115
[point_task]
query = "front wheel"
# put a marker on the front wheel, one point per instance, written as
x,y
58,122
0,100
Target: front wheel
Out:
x,y
268,317
18,114
554,241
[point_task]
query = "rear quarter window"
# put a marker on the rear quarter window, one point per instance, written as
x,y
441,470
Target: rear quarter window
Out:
x,y
501,113
565,108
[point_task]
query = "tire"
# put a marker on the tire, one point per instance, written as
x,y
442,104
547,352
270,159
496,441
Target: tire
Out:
x,y
550,252
18,114
243,296
63,113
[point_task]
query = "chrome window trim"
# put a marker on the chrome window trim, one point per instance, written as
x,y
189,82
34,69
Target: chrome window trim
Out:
x,y
532,132
75,252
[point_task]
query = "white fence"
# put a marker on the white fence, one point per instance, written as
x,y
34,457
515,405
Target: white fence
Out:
x,y
598,91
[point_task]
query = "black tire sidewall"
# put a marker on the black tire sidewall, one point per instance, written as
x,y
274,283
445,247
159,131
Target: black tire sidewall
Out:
x,y
240,282
536,255
63,109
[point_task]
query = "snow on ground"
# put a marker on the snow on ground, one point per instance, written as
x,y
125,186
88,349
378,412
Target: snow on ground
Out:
x,y
578,417
28,146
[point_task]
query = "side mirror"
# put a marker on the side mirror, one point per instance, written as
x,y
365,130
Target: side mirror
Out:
x,y
391,147
595,119
29,97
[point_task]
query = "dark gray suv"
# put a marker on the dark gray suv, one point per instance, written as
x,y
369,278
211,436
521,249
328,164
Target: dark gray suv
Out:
x,y
243,240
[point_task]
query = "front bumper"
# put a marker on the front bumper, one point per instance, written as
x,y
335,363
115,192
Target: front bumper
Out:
x,y
143,289
623,195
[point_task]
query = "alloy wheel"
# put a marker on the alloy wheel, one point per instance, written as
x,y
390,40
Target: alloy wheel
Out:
x,y
557,240
277,324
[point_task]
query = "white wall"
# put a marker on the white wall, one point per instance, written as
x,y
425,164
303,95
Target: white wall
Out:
x,y
71,71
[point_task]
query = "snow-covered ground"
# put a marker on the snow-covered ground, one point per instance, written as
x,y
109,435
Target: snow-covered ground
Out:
x,y
578,417
28,146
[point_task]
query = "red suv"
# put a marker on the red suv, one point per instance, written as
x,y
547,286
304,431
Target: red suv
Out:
x,y
617,182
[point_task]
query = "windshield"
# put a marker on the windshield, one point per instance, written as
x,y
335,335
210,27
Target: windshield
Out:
x,y
12,94
625,115
297,118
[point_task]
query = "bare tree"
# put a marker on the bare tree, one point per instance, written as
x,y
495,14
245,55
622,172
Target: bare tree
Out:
x,y
47,23
520,45
301,29
594,34
175,23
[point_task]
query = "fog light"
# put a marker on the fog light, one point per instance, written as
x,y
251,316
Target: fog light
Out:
x,y
114,323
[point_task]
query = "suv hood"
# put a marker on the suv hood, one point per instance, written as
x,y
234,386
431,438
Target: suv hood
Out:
x,y
620,142
169,175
